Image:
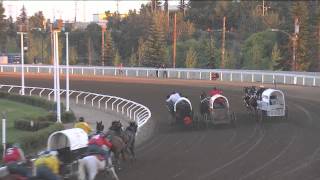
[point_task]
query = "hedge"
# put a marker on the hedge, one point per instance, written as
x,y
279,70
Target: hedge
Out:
x,y
43,103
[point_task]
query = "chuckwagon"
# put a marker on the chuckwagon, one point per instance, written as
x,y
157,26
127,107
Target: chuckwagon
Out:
x,y
272,104
219,111
71,144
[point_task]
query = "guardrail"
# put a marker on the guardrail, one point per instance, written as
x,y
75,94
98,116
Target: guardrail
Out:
x,y
280,77
135,111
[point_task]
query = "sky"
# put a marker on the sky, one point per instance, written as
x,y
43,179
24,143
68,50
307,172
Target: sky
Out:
x,y
66,9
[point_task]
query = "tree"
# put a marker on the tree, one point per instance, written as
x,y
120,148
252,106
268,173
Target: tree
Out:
x,y
305,43
191,58
277,63
108,50
3,29
141,51
155,53
22,19
37,21
133,61
117,59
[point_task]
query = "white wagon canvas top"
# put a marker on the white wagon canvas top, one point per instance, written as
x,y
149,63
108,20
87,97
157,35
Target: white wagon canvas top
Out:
x,y
181,99
74,138
268,93
213,98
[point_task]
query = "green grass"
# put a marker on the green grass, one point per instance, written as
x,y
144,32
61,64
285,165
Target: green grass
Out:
x,y
16,111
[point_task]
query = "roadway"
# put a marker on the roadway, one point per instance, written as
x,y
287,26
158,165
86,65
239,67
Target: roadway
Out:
x,y
272,150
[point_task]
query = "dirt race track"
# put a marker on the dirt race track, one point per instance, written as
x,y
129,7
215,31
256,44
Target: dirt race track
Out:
x,y
271,150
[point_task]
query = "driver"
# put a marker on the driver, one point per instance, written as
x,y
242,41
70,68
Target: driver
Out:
x,y
47,165
172,99
83,125
99,144
15,160
214,91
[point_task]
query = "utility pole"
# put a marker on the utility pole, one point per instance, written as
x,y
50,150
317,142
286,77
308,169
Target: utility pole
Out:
x,y
223,42
67,73
263,8
174,40
319,46
89,52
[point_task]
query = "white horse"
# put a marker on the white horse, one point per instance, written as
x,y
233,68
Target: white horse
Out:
x,y
89,167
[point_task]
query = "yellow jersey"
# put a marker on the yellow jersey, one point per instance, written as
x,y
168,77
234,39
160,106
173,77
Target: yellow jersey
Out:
x,y
49,161
83,125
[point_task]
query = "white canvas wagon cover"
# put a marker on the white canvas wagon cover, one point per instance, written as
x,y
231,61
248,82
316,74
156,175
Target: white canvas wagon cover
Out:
x,y
74,138
215,97
179,100
266,95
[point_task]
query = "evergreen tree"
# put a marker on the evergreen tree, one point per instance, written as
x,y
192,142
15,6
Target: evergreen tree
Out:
x,y
277,63
304,45
108,50
141,51
22,19
117,59
182,6
210,48
37,21
133,61
3,28
191,58
155,52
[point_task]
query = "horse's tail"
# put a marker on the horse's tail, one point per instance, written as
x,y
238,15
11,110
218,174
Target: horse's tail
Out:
x,y
81,169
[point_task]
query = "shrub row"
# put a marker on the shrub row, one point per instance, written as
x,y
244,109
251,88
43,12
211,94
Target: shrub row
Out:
x,y
30,125
30,100
43,103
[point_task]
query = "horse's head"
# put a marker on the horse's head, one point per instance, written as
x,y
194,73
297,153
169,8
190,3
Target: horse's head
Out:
x,y
203,95
99,127
116,125
133,126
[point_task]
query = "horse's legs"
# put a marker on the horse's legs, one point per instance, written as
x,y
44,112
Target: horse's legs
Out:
x,y
111,170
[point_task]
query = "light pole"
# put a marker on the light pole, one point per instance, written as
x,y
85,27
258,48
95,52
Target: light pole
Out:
x,y
67,73
294,39
56,59
22,62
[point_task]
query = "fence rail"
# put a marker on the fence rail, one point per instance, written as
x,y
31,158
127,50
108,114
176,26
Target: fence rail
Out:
x,y
280,77
135,111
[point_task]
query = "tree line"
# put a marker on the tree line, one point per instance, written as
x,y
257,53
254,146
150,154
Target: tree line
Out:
x,y
257,35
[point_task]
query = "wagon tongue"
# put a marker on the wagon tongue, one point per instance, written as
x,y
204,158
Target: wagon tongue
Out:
x,y
187,120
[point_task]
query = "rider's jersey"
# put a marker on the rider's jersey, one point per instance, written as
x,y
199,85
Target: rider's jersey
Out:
x,y
174,98
49,161
83,125
100,141
214,92
13,155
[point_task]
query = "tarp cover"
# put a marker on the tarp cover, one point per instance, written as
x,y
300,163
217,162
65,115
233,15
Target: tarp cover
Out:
x,y
213,99
74,138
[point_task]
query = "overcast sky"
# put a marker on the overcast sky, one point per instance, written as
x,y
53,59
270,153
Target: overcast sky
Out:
x,y
66,9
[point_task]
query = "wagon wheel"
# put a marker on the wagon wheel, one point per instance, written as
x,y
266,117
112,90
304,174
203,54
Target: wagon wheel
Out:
x,y
260,116
286,114
233,119
195,120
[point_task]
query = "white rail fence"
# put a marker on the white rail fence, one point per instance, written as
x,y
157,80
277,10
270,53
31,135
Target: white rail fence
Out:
x,y
135,111
280,77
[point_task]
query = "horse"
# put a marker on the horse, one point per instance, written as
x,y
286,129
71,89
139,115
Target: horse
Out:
x,y
204,107
89,167
119,146
131,132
